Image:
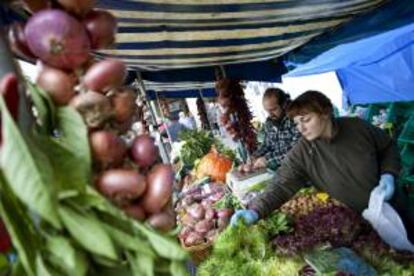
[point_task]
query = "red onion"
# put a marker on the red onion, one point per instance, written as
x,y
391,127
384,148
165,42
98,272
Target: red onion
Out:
x,y
122,185
162,221
94,107
58,84
135,211
18,42
78,7
210,214
204,226
196,211
143,151
58,39
105,75
102,27
107,148
123,102
160,184
193,238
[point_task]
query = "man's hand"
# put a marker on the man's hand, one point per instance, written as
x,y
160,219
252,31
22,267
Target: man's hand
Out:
x,y
387,184
260,163
247,167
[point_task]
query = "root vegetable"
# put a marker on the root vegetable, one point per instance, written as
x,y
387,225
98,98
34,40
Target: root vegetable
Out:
x,y
58,39
210,214
123,102
101,26
122,185
193,238
58,84
95,108
135,211
107,148
204,226
18,42
77,7
188,220
162,221
105,75
160,183
143,151
196,211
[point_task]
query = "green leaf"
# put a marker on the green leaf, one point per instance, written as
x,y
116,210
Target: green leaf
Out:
x,y
42,108
23,172
51,107
66,256
70,150
73,133
141,265
18,269
129,242
41,267
20,228
88,231
164,246
178,269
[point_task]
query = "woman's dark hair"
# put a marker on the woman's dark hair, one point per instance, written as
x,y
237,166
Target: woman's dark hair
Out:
x,y
283,98
310,101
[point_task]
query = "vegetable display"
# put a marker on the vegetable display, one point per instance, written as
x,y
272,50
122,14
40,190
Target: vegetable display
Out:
x,y
214,165
76,197
201,221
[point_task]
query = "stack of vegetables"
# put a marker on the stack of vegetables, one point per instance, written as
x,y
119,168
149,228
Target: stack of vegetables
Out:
x,y
59,223
310,221
200,218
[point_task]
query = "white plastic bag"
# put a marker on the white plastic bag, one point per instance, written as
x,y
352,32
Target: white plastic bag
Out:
x,y
386,221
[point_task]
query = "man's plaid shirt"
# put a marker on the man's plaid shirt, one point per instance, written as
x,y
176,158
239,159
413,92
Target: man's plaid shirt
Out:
x,y
278,140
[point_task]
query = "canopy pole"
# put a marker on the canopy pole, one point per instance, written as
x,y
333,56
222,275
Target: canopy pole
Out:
x,y
166,127
200,91
163,151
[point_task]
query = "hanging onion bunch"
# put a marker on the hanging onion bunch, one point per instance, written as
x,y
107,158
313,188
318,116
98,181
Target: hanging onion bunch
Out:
x,y
236,117
61,39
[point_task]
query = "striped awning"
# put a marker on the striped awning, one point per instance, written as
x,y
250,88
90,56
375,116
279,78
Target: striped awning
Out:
x,y
166,34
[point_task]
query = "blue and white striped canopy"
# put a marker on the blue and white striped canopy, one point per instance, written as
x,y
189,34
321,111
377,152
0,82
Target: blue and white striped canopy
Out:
x,y
166,34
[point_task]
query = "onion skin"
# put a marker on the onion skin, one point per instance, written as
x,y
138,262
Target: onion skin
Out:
x,y
94,107
101,27
122,185
18,42
58,84
105,75
123,102
135,211
107,148
164,221
143,151
160,184
57,39
77,7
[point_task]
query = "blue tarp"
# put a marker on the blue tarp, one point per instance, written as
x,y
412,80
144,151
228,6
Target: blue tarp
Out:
x,y
392,15
376,69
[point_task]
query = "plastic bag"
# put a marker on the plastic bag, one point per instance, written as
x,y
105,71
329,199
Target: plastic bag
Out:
x,y
386,221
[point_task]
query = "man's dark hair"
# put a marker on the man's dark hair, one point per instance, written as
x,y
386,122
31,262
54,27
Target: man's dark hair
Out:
x,y
282,97
310,101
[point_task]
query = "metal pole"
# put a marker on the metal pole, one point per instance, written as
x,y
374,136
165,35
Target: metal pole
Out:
x,y
200,91
8,65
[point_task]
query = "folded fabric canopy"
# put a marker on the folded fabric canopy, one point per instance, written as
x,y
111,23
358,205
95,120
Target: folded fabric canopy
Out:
x,y
166,34
376,69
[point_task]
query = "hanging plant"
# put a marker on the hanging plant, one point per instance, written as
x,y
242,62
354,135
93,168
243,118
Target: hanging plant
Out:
x,y
236,117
